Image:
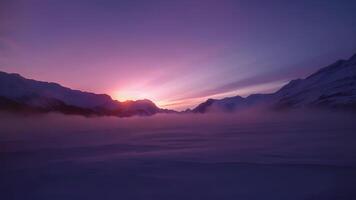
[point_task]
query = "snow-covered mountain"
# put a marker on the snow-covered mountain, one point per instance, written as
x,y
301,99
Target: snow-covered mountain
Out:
x,y
332,87
19,93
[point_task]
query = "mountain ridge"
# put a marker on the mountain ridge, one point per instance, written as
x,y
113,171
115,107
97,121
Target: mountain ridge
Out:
x,y
21,94
332,87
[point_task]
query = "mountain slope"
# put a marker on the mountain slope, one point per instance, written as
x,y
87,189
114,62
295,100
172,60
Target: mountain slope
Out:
x,y
20,94
333,86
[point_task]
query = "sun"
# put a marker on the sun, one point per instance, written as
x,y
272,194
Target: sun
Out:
x,y
124,95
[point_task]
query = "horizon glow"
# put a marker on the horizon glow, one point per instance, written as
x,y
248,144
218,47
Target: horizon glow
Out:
x,y
175,53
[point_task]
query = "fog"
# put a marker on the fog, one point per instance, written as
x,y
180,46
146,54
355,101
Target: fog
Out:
x,y
250,155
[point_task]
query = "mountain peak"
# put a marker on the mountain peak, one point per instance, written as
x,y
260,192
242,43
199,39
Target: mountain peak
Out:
x,y
333,86
203,107
47,96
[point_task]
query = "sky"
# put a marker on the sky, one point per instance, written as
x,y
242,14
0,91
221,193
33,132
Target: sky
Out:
x,y
177,53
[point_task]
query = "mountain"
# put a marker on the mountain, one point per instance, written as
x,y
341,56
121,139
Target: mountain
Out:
x,y
20,94
332,87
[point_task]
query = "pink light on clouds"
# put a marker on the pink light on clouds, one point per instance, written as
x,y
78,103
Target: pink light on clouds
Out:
x,y
176,53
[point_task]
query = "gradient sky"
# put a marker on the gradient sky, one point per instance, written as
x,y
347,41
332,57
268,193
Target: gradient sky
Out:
x,y
176,53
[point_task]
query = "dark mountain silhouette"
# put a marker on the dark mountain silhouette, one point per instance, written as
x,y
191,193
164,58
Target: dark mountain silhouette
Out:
x,y
25,95
332,87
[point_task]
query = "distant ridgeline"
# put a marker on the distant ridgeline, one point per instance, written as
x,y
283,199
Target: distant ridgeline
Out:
x,y
332,87
24,95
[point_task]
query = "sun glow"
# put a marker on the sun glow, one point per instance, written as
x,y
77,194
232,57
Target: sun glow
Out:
x,y
124,95
137,95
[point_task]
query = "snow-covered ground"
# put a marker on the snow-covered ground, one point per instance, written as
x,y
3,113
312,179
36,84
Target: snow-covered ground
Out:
x,y
253,155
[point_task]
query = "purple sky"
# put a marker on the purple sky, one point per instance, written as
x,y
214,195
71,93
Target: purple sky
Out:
x,y
176,53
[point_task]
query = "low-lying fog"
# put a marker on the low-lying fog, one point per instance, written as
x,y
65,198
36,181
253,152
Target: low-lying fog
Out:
x,y
251,155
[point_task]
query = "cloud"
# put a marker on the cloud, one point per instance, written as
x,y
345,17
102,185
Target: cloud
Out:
x,y
242,84
261,82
